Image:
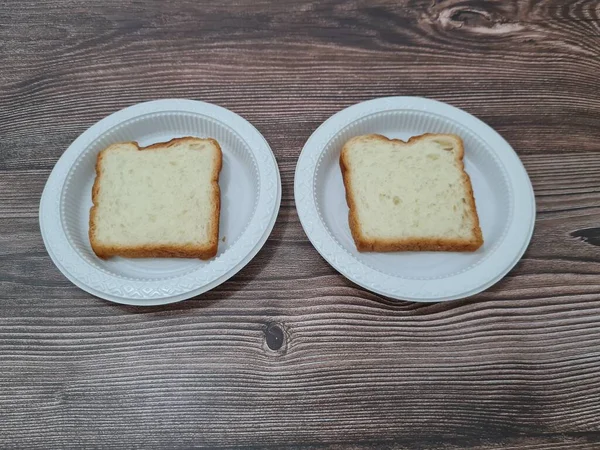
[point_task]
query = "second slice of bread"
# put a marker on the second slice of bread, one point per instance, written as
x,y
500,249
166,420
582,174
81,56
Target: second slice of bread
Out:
x,y
157,201
411,195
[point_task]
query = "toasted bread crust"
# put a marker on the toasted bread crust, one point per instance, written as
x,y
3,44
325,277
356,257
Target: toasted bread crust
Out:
x,y
365,244
160,251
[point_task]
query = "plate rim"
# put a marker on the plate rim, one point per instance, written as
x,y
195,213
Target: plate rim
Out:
x,y
155,106
308,212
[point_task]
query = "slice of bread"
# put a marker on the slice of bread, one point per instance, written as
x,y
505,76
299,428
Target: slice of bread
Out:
x,y
411,195
157,201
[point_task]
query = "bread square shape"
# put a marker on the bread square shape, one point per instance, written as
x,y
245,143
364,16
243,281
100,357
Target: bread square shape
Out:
x,y
157,201
409,196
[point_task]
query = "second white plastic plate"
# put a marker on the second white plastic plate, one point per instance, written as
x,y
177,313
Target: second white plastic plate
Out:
x,y
503,194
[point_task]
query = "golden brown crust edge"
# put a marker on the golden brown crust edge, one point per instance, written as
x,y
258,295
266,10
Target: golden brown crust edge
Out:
x,y
364,244
359,240
160,251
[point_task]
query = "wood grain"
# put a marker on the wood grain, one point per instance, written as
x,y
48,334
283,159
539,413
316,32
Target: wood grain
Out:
x,y
515,367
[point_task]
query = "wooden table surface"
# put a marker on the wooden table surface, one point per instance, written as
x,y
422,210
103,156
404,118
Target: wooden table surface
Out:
x,y
516,366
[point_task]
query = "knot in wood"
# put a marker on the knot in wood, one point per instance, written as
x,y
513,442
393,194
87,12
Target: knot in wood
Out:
x,y
274,336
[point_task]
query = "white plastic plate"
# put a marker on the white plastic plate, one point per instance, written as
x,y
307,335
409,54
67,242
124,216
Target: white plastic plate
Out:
x,y
503,195
250,197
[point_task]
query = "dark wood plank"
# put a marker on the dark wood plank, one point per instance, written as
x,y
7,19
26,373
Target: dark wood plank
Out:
x,y
514,367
